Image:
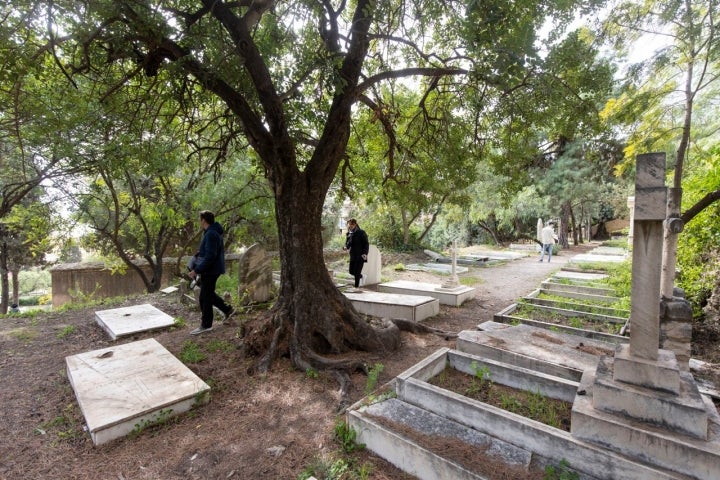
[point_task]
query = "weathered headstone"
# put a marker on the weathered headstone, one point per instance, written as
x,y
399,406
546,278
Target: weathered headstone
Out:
x,y
373,267
255,276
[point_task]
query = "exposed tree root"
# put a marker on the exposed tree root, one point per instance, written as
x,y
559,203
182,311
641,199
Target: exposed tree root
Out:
x,y
415,327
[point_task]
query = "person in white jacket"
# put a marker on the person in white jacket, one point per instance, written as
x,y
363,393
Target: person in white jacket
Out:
x,y
548,238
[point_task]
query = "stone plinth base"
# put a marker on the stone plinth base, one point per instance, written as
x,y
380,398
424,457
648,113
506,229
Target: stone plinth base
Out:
x,y
661,374
650,444
683,413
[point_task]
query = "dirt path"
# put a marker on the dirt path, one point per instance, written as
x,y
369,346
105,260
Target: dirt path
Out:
x,y
264,427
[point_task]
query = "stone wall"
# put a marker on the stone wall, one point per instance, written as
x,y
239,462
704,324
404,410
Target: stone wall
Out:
x,y
94,279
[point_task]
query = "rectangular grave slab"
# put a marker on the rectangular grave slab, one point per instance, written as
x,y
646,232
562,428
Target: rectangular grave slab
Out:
x,y
555,353
124,321
127,387
394,305
435,268
453,296
592,258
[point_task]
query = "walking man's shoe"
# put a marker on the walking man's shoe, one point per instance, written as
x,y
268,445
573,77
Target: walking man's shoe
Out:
x,y
229,315
200,330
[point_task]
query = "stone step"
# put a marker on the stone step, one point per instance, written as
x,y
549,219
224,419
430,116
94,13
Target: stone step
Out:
x,y
580,277
548,307
600,299
506,316
588,290
580,308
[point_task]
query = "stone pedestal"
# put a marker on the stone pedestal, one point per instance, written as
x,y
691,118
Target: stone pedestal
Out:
x,y
682,411
676,329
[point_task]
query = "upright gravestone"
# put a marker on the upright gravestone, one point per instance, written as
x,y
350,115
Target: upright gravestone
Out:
x,y
372,270
255,276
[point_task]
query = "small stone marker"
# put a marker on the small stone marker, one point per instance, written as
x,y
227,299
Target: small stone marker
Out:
x,y
453,282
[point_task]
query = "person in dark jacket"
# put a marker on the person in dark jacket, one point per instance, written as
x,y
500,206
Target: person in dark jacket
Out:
x,y
356,243
209,262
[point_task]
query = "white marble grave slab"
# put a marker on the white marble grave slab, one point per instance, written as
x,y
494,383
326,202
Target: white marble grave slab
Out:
x,y
120,322
436,267
591,258
453,296
126,387
393,305
580,275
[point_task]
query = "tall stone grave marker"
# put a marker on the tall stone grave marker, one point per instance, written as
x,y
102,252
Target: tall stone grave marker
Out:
x,y
372,270
255,275
640,403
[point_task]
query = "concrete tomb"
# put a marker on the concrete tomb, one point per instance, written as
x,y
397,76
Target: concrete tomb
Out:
x,y
454,297
393,305
124,388
124,321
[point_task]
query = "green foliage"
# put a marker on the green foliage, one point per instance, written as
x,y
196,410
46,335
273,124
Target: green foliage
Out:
x,y
470,281
23,335
480,381
699,243
32,280
344,468
159,418
373,378
191,353
347,436
83,298
223,346
561,472
28,301
66,331
311,373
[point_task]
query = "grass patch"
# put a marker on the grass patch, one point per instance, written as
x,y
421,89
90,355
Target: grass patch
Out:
x,y
66,331
470,281
191,353
223,346
23,335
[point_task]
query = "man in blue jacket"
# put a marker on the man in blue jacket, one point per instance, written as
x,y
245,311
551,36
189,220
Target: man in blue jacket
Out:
x,y
210,263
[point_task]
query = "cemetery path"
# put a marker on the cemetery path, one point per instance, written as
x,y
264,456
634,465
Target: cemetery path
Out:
x,y
264,427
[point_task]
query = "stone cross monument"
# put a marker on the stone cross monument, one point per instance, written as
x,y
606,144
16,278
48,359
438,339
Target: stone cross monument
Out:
x,y
453,282
639,402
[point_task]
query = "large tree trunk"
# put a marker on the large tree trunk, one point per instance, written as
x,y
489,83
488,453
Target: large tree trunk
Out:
x,y
565,220
311,319
15,276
